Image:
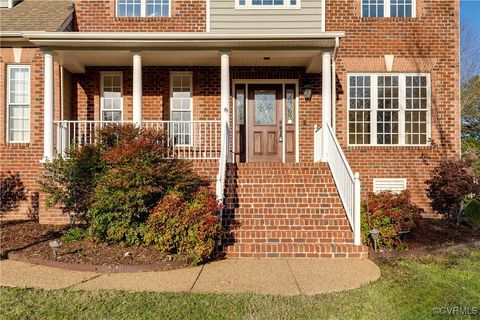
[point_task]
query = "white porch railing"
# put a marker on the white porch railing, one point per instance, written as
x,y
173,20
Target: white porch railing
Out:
x,y
348,183
188,139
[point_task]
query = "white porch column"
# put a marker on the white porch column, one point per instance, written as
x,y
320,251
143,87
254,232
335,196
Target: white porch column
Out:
x,y
326,100
225,97
48,100
137,89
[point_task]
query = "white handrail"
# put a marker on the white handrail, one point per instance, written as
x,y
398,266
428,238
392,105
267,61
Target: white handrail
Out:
x,y
189,139
348,184
222,165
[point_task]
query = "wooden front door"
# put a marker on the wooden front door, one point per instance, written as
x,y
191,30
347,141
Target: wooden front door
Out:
x,y
265,120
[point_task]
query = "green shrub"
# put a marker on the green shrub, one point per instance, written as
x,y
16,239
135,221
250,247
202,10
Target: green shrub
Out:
x,y
72,235
186,228
69,181
390,214
137,175
472,213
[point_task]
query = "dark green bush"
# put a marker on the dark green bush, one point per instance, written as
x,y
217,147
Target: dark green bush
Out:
x,y
137,175
390,213
69,181
186,228
472,213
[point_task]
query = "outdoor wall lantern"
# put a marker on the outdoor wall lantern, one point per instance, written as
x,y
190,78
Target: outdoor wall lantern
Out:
x,y
55,245
374,233
307,89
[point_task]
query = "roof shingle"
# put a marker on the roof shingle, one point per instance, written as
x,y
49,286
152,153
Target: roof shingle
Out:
x,y
36,15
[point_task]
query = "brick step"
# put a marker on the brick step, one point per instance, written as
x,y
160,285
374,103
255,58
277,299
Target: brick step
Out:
x,y
288,213
295,250
296,236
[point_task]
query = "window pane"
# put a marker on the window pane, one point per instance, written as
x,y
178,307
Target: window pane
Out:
x,y
158,8
401,8
372,8
129,8
265,107
359,121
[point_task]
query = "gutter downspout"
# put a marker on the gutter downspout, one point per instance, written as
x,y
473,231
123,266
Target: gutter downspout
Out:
x,y
334,85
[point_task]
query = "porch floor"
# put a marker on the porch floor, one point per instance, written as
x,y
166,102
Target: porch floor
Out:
x,y
264,276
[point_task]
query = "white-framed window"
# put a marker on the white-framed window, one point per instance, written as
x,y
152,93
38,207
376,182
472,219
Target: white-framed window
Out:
x,y
389,109
111,100
181,107
143,8
267,4
18,101
389,8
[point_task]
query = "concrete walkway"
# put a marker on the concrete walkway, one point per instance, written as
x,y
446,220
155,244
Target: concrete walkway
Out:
x,y
264,276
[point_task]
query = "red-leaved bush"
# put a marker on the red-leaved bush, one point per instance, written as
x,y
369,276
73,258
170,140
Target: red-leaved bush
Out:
x,y
452,181
390,213
186,228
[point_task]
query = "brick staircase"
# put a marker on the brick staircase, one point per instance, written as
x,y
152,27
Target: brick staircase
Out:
x,y
286,210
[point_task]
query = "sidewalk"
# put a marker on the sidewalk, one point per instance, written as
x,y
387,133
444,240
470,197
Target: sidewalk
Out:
x,y
264,276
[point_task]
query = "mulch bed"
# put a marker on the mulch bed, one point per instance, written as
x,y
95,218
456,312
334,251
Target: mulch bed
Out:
x,y
29,240
434,236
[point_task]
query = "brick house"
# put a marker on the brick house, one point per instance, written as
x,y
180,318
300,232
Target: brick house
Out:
x,y
294,108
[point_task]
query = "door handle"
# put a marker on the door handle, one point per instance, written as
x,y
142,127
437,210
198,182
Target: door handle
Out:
x,y
280,137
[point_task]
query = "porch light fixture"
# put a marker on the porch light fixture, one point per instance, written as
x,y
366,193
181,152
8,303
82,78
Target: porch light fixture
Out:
x,y
374,233
55,245
307,89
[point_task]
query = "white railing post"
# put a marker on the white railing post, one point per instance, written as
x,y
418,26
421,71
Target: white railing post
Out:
x,y
357,210
326,100
137,88
48,110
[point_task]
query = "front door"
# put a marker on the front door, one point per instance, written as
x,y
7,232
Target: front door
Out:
x,y
265,121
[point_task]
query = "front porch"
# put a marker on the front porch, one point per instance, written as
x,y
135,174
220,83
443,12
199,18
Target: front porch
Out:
x,y
230,100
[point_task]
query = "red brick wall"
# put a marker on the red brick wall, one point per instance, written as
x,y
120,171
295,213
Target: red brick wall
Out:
x,y
25,158
428,43
99,16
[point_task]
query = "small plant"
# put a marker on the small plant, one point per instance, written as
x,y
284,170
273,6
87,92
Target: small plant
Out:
x,y
73,235
390,213
452,182
189,229
472,213
12,191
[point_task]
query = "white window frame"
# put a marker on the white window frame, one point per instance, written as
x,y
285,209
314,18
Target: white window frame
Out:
x,y
182,73
102,77
8,138
143,10
402,104
386,10
249,5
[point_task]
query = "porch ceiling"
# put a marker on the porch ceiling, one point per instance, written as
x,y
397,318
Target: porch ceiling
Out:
x,y
76,61
77,50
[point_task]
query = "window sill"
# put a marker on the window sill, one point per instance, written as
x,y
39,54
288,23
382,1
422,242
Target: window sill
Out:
x,y
391,147
389,19
16,145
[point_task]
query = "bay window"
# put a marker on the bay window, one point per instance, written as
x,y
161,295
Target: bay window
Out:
x,y
388,109
18,101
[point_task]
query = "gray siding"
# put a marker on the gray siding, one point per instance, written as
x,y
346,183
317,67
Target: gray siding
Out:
x,y
225,19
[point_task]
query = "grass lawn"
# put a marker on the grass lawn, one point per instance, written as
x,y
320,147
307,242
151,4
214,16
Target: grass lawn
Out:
x,y
410,288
